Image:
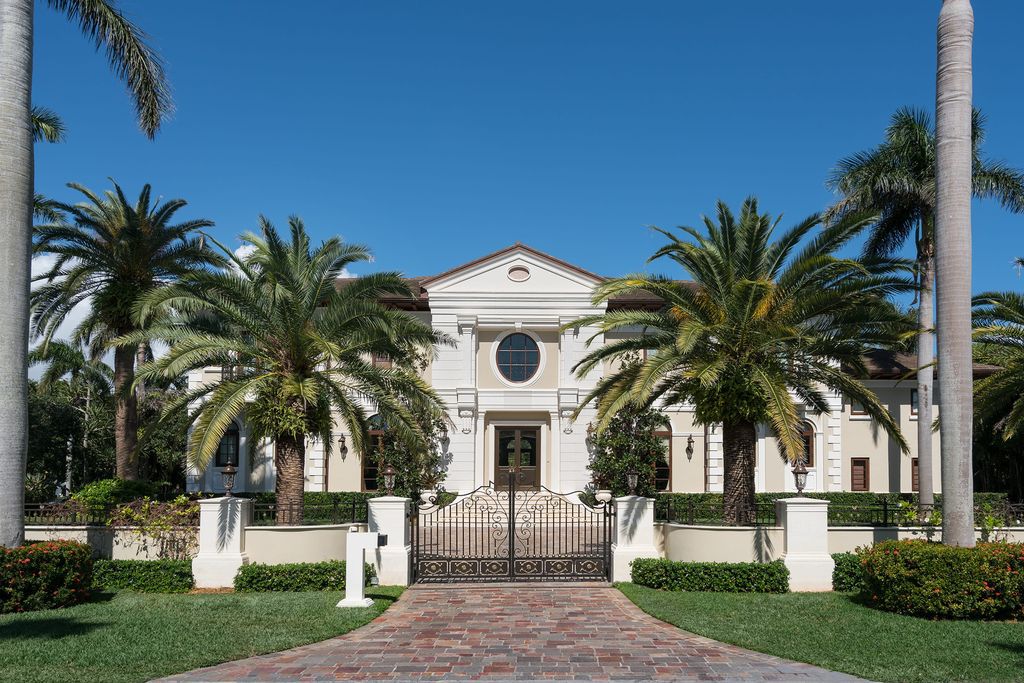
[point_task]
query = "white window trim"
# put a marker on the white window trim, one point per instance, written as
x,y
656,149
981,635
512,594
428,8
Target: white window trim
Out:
x,y
540,367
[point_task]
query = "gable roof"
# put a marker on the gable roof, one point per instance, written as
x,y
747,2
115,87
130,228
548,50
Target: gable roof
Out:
x,y
517,247
882,364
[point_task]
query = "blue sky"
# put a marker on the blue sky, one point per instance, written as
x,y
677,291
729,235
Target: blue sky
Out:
x,y
438,131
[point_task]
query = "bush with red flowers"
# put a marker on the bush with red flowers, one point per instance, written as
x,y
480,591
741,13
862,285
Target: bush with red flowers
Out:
x,y
44,576
936,581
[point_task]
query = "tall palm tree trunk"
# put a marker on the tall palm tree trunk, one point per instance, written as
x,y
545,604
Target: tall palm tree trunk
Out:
x,y
126,415
16,170
953,161
289,459
925,377
739,441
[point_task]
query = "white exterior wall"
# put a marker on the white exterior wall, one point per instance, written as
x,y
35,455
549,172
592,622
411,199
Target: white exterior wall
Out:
x,y
476,305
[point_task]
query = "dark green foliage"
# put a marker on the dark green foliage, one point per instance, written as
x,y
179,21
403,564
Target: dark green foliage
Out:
x,y
105,493
303,576
846,507
629,443
44,576
717,577
931,580
419,466
848,575
54,434
143,576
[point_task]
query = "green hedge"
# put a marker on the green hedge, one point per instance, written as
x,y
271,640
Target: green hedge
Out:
x,y
306,576
106,493
718,577
44,576
848,575
931,580
144,576
317,498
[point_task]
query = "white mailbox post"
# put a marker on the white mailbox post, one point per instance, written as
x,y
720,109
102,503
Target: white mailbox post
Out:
x,y
355,562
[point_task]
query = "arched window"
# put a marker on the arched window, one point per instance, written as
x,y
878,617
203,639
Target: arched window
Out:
x,y
518,357
370,463
227,450
807,436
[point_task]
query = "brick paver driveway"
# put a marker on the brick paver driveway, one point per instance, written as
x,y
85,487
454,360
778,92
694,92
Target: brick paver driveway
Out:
x,y
515,632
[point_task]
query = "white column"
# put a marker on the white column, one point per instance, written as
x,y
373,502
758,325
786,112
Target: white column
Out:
x,y
805,553
222,523
634,534
389,516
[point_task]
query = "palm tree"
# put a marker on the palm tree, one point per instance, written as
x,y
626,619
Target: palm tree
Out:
x,y
132,61
762,318
299,347
109,253
896,180
999,340
954,153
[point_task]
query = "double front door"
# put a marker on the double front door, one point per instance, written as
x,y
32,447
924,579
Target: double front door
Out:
x,y
517,451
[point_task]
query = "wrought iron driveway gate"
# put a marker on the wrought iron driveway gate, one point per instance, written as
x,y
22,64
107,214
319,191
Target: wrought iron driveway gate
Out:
x,y
512,534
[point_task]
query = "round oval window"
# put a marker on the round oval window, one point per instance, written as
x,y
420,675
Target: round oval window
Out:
x,y
518,357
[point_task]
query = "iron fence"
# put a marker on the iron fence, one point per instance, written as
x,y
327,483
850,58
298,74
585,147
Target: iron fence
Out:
x,y
698,512
337,512
62,514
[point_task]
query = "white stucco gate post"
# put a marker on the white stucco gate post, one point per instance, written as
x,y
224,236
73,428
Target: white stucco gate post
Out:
x,y
634,534
222,523
389,516
805,553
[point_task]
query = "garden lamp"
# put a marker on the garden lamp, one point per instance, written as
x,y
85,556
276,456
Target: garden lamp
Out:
x,y
228,474
800,475
389,479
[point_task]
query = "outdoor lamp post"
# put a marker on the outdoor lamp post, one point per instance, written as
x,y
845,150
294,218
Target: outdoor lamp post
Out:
x,y
632,479
228,474
800,476
389,479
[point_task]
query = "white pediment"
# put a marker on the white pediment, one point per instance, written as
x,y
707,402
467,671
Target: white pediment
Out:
x,y
515,271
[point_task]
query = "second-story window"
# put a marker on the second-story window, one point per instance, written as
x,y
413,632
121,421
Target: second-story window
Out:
x,y
518,357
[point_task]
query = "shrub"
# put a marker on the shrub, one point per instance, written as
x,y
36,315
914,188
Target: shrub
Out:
x,y
925,579
168,529
44,576
106,493
718,577
304,576
848,575
144,576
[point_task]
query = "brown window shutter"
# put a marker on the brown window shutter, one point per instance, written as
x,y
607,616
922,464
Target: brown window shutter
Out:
x,y
915,479
860,469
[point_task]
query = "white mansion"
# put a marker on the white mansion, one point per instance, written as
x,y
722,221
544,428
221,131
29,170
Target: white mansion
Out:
x,y
510,392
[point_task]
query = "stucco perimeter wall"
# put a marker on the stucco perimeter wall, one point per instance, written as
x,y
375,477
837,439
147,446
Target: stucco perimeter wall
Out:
x,y
282,545
684,543
107,543
718,543
848,539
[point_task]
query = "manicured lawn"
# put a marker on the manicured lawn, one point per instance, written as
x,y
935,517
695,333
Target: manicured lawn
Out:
x,y
832,631
134,636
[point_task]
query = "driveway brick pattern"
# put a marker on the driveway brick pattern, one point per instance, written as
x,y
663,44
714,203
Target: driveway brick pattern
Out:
x,y
515,632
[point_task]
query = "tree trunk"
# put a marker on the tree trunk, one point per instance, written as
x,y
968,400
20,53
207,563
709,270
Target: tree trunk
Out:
x,y
953,265
16,191
141,355
925,375
290,459
739,441
126,417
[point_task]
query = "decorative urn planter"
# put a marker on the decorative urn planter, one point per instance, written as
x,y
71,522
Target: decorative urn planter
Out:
x,y
603,495
428,497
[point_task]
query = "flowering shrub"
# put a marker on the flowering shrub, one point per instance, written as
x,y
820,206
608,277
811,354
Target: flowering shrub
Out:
x,y
931,580
169,529
44,576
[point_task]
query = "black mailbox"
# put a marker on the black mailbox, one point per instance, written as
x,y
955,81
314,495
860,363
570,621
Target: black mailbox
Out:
x,y
382,540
